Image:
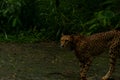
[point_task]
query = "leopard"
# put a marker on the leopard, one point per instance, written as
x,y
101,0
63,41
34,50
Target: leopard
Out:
x,y
87,48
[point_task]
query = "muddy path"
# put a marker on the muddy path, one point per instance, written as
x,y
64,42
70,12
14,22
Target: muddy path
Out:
x,y
46,61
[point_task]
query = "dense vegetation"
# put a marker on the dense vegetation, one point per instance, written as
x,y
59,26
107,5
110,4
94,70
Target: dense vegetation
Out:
x,y
34,20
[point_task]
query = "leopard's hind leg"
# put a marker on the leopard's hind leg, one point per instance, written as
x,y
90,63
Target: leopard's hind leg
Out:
x,y
113,54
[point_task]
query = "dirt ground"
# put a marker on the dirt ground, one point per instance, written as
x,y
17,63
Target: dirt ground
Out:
x,y
46,61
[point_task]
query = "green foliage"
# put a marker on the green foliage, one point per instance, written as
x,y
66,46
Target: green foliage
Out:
x,y
42,19
100,22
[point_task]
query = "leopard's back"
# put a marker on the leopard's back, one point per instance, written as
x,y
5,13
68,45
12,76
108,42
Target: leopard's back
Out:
x,y
101,42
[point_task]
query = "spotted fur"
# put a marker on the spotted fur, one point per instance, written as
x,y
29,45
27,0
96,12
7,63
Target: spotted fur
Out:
x,y
88,47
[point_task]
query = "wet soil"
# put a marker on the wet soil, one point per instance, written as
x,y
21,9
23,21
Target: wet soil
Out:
x,y
46,61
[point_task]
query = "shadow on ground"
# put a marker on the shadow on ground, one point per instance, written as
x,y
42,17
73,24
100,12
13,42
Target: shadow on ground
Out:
x,y
46,61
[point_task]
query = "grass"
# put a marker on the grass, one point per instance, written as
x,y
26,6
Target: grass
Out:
x,y
22,38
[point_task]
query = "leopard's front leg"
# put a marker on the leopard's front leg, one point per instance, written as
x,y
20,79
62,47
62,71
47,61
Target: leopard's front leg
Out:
x,y
84,69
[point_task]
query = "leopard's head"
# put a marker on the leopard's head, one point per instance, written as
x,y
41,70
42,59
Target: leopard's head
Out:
x,y
66,41
71,41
